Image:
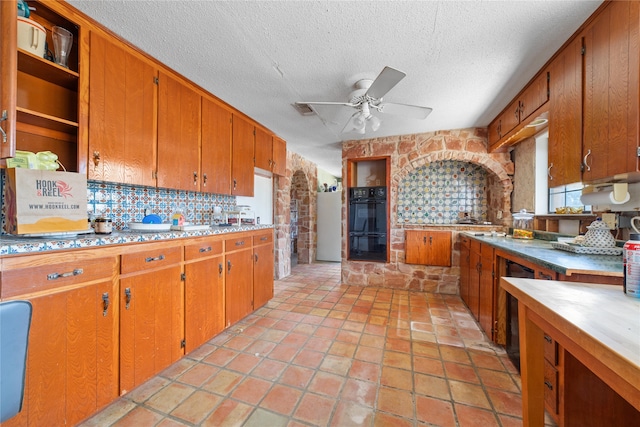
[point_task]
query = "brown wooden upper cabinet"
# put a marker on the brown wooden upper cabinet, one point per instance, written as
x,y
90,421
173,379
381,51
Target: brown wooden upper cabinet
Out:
x,y
534,96
242,157
40,98
271,152
216,147
122,114
179,117
428,247
611,96
565,116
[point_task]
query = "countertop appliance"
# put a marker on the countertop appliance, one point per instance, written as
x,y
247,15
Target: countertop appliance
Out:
x,y
368,223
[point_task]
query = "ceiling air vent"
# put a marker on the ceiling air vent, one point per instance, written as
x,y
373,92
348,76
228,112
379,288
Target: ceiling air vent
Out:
x,y
304,109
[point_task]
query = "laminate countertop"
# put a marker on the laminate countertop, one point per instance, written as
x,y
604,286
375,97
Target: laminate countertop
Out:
x,y
542,253
16,245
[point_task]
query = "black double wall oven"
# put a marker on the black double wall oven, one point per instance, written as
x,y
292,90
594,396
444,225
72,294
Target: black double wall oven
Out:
x,y
368,223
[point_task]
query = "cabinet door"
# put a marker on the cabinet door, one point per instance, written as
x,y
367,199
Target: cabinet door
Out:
x,y
611,92
465,256
179,116
486,285
428,247
204,301
204,291
242,157
565,116
72,362
262,270
279,166
239,279
122,122
535,96
510,118
216,147
494,131
474,279
8,77
151,315
263,149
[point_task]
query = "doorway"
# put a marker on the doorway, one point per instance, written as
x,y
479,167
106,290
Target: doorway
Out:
x,y
300,219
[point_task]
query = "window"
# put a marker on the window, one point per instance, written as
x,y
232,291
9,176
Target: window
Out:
x,y
566,196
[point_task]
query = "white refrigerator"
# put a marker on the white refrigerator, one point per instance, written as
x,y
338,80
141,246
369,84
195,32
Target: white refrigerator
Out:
x,y
329,226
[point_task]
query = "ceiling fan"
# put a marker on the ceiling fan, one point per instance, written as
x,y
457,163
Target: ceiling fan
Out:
x,y
368,96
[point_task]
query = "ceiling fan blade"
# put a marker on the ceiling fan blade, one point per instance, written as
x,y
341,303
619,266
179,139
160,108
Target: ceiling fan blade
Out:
x,y
386,80
348,104
413,111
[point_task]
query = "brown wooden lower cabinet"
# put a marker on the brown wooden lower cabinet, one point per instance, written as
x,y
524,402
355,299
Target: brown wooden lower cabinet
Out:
x,y
204,291
72,363
428,247
107,319
151,313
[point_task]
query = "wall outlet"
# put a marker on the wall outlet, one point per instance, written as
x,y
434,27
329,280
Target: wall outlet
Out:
x,y
611,220
499,215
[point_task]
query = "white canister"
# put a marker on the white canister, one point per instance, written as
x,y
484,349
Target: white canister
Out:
x,y
31,36
631,266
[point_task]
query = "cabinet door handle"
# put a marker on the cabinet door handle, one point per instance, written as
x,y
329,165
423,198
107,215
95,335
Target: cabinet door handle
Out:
x,y
240,243
3,117
544,276
264,238
151,259
204,179
220,270
229,266
207,249
516,113
430,240
96,158
54,276
127,297
255,256
195,178
549,385
105,303
585,161
548,339
235,184
549,172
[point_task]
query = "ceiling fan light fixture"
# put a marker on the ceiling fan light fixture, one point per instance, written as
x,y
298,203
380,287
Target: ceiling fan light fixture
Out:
x,y
375,123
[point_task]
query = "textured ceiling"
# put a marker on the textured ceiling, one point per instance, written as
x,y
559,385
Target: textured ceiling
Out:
x,y
464,59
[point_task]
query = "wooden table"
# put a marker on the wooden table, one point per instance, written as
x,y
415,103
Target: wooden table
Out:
x,y
598,327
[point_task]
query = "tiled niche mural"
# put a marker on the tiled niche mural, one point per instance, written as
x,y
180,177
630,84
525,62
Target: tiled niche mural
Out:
x,y
442,191
127,203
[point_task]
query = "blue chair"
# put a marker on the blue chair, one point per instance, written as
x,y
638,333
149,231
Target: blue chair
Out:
x,y
15,321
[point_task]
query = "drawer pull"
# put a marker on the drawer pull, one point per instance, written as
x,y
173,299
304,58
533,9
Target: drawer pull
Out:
x,y
548,339
127,297
151,259
544,276
264,238
549,385
105,303
207,249
54,276
240,243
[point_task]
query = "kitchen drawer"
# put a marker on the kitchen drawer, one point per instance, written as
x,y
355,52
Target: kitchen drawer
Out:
x,y
203,249
153,258
237,243
550,387
465,240
40,278
263,239
550,350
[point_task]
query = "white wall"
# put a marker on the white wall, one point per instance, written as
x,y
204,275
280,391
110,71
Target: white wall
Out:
x,y
262,201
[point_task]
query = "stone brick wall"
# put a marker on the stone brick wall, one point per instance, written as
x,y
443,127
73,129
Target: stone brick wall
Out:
x,y
300,182
406,153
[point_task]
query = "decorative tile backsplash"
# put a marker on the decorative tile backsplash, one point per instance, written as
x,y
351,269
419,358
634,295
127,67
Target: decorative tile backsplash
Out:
x,y
126,203
438,192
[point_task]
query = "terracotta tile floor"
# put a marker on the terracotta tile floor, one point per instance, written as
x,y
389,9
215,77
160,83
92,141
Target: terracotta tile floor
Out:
x,y
324,354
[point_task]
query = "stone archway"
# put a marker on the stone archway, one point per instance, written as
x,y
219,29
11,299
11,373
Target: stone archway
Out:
x,y
300,217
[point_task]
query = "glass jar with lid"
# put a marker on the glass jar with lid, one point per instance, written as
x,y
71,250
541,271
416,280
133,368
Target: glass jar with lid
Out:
x,y
523,225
